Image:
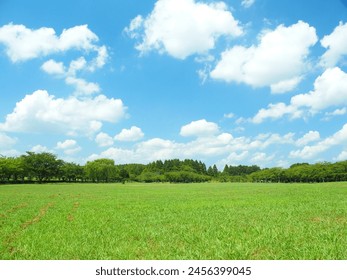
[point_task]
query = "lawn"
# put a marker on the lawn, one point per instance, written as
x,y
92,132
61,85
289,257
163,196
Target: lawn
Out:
x,y
174,221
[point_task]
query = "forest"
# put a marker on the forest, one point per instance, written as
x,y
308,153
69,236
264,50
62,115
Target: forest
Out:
x,y
46,167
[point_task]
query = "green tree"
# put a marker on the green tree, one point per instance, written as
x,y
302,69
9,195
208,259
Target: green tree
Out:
x,y
43,166
101,170
71,171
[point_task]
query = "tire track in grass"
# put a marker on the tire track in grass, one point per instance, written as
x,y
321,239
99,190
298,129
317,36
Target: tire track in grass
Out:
x,y
38,217
4,216
70,216
13,210
9,241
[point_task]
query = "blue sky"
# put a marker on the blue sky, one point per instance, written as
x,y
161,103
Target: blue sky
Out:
x,y
226,82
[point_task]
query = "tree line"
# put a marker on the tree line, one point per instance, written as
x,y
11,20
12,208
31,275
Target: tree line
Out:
x,y
46,167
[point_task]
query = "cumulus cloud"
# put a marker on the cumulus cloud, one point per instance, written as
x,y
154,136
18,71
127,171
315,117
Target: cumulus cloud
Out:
x,y
309,137
199,128
53,68
40,149
82,87
233,158
100,60
308,152
330,90
241,150
42,112
130,135
68,146
77,65
23,43
104,140
10,153
337,112
278,61
336,45
261,158
276,111
342,156
262,141
182,28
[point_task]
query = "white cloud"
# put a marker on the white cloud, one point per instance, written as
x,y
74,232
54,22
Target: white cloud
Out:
x,y
342,156
286,85
23,43
229,115
144,152
204,73
199,128
82,87
247,3
53,68
157,148
330,90
261,158
337,112
236,150
77,65
276,111
100,59
279,61
40,149
120,156
6,141
208,146
130,135
308,152
104,140
10,153
241,150
135,24
67,144
309,137
41,112
69,147
183,27
336,45
96,63
233,159
262,141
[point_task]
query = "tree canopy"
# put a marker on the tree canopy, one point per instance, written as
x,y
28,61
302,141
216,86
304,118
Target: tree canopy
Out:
x,y
46,167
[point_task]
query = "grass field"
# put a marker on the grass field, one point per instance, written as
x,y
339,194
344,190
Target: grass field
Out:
x,y
174,221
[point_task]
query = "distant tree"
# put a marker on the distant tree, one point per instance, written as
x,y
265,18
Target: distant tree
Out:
x,y
43,166
213,171
71,171
148,177
101,170
124,175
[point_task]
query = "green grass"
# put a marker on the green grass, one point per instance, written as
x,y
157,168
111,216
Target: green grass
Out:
x,y
174,221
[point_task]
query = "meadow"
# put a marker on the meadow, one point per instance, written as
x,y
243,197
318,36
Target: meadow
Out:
x,y
174,221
